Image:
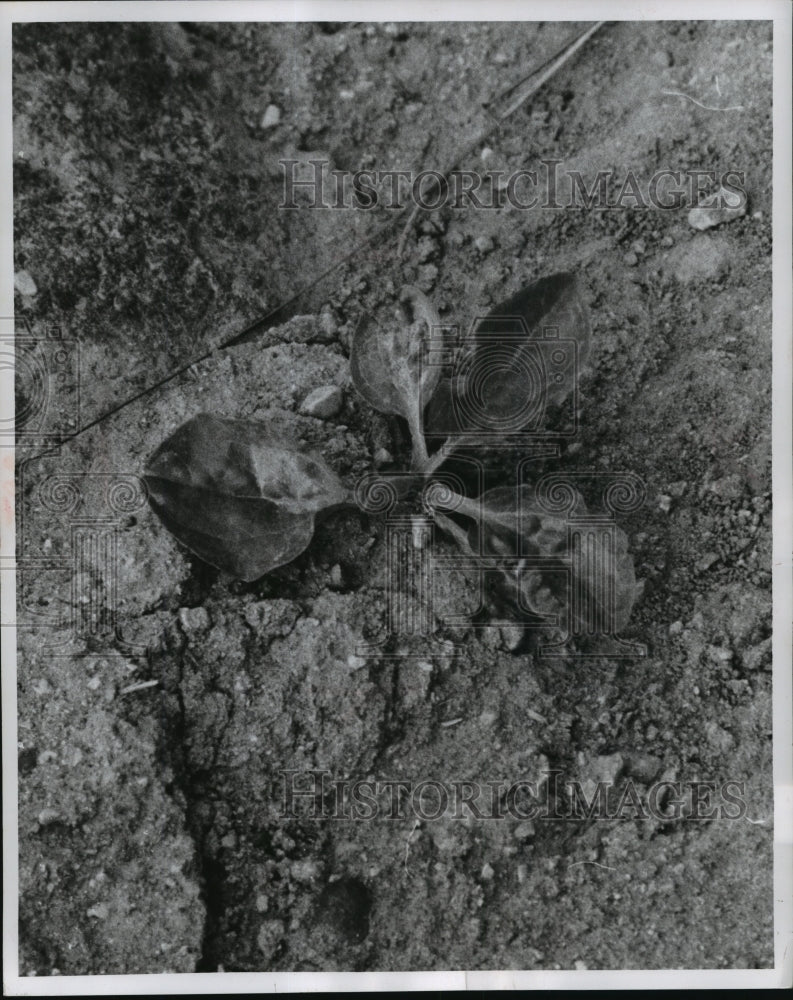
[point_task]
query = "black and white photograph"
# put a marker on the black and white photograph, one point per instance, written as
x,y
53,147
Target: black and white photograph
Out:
x,y
396,497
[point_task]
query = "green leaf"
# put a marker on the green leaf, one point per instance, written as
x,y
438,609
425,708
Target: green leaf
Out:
x,y
238,498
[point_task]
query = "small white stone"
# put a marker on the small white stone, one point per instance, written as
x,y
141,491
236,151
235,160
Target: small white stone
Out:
x,y
271,116
722,206
324,402
194,619
487,871
24,283
523,830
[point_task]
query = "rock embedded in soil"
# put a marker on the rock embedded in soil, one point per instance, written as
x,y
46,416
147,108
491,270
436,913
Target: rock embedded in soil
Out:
x,y
271,116
324,402
24,283
722,206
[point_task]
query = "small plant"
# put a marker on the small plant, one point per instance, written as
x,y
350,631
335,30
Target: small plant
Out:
x,y
248,504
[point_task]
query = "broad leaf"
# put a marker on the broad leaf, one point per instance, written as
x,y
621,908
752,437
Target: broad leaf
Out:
x,y
237,497
585,564
391,366
524,358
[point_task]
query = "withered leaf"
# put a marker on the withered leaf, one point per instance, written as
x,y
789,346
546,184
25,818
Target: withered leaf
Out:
x,y
391,364
524,358
236,497
584,562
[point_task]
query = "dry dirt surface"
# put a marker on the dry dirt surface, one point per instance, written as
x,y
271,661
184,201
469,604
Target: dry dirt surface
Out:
x,y
147,232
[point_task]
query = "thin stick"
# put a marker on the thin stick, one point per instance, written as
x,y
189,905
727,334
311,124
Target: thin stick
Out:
x,y
537,79
699,104
138,687
525,89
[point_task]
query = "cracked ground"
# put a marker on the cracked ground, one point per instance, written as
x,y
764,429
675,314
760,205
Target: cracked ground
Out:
x,y
153,835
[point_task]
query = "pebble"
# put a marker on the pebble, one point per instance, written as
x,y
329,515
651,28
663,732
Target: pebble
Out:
x,y
194,619
100,911
271,116
305,871
487,872
719,654
630,259
664,503
47,816
327,323
523,830
336,579
708,560
484,244
262,902
638,247
487,719
667,242
24,283
324,402
511,637
382,457
722,206
486,154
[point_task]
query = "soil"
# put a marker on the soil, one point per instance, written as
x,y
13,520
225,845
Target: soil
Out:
x,y
146,192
